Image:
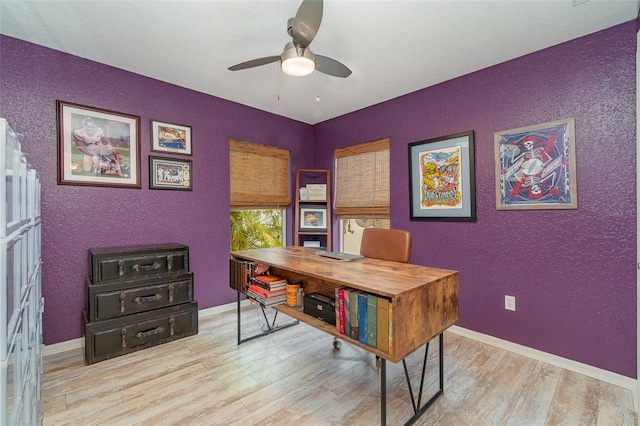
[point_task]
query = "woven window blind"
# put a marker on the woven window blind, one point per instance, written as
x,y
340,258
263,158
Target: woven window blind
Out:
x,y
259,176
362,180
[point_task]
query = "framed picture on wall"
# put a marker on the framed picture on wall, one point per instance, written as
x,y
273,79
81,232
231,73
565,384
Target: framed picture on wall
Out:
x,y
535,167
442,178
170,173
313,218
97,147
168,137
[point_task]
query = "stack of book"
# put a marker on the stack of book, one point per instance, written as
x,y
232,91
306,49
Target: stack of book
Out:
x,y
268,290
365,317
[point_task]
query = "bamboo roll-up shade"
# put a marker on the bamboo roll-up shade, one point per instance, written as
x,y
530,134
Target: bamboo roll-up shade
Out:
x,y
259,176
362,180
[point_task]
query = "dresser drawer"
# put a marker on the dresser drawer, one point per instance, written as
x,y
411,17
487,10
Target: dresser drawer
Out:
x,y
115,264
119,336
119,299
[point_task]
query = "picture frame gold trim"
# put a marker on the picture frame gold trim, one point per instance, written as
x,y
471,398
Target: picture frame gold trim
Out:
x,y
535,167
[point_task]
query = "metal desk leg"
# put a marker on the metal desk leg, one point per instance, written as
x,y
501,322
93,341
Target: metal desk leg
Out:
x,y
270,327
383,391
419,409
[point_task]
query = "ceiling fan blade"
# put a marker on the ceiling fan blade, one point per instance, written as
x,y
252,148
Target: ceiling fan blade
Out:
x,y
255,63
332,67
306,22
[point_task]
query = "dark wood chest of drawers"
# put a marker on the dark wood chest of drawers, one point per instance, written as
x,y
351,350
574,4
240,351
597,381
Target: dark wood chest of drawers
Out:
x,y
138,297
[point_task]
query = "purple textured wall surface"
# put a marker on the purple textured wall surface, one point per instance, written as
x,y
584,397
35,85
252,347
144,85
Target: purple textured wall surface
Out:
x,y
572,271
76,218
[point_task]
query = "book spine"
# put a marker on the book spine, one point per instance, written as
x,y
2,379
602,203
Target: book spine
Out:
x,y
337,304
353,305
341,307
347,311
383,325
372,320
390,328
362,318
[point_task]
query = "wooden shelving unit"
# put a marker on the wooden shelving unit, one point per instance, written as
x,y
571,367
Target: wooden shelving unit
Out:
x,y
304,230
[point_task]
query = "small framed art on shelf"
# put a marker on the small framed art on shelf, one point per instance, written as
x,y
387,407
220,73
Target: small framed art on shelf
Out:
x,y
313,218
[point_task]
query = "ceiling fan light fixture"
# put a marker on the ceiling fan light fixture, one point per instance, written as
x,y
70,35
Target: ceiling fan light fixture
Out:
x,y
297,61
298,66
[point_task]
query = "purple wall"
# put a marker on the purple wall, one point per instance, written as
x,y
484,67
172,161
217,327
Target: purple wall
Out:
x,y
75,218
572,271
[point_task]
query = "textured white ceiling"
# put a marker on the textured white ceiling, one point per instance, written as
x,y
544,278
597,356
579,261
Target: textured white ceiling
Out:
x,y
393,47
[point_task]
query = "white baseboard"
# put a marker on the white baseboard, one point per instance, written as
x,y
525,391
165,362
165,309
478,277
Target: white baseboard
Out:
x,y
577,367
587,370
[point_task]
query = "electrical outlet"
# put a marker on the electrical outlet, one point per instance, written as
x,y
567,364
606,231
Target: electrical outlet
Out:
x,y
510,303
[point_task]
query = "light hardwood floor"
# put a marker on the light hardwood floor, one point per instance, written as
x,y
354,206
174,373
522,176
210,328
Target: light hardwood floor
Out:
x,y
295,376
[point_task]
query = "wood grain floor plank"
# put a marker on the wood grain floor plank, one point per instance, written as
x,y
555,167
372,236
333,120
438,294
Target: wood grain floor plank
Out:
x,y
295,376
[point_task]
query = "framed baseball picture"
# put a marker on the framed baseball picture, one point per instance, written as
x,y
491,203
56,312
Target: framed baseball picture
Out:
x,y
170,173
97,147
168,137
536,167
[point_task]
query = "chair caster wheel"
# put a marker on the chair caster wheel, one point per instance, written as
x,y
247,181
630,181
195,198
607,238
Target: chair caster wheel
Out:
x,y
337,344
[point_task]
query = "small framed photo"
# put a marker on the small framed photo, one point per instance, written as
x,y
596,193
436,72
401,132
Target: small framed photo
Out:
x,y
442,178
168,137
313,218
170,173
317,191
536,167
97,147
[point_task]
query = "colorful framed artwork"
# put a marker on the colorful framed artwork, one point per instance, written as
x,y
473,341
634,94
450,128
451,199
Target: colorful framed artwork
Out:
x,y
173,138
97,147
536,167
313,218
442,178
170,173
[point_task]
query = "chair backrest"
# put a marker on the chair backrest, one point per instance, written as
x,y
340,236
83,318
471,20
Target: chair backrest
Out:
x,y
386,244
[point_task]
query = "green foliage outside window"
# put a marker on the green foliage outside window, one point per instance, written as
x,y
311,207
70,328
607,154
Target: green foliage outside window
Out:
x,y
251,229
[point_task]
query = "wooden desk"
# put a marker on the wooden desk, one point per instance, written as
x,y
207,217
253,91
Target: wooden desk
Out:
x,y
425,299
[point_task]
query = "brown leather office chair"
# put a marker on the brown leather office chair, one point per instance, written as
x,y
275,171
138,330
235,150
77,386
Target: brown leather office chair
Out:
x,y
386,244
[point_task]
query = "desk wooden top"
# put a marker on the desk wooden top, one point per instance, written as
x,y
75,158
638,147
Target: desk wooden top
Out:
x,y
390,279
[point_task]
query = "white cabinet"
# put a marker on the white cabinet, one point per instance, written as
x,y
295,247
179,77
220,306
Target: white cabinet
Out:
x,y
21,302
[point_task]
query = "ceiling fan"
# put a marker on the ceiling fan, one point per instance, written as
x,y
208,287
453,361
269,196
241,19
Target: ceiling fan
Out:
x,y
297,59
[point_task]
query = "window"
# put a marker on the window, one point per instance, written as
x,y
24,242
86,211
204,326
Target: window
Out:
x,y
259,184
259,176
362,190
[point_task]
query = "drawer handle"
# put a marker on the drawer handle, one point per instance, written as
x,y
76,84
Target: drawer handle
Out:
x,y
148,333
171,293
172,322
121,267
153,266
123,332
123,298
143,299
169,260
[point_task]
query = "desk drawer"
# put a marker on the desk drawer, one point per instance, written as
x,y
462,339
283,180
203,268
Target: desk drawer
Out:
x,y
115,337
111,300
